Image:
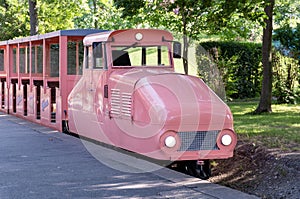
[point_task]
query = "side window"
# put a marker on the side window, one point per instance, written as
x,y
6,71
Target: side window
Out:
x,y
86,57
1,60
98,62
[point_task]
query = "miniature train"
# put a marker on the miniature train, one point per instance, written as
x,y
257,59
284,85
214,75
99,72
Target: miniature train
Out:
x,y
119,88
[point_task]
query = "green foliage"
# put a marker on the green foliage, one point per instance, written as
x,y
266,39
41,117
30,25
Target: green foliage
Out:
x,y
14,21
237,19
130,8
289,40
57,15
192,18
287,13
103,15
239,65
285,76
52,15
286,63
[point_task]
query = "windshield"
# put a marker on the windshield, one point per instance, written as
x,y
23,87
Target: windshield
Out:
x,y
141,56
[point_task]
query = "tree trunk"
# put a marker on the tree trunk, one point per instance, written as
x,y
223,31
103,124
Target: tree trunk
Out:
x,y
33,17
95,10
185,55
185,43
266,91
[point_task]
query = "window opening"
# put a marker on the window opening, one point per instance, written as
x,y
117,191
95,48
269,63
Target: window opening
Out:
x,y
22,60
98,55
37,59
14,60
54,60
75,58
1,60
87,57
141,56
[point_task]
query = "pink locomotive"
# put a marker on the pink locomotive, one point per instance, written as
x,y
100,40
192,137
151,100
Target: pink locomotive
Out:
x,y
119,88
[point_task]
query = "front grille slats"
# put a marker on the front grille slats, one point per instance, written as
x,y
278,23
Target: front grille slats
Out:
x,y
120,104
198,140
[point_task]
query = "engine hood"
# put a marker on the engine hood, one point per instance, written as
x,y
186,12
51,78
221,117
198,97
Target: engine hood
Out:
x,y
162,97
126,80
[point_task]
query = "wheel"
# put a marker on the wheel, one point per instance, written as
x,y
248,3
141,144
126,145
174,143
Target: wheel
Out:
x,y
65,127
198,169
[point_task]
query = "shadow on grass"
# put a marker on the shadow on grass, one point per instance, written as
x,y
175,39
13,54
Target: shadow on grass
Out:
x,y
276,130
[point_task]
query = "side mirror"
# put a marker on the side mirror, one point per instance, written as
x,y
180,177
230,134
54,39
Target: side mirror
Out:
x,y
176,49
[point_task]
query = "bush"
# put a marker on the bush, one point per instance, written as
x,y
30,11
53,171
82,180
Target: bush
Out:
x,y
239,65
285,76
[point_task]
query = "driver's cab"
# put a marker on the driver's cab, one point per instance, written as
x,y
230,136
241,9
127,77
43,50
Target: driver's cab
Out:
x,y
130,48
118,56
120,51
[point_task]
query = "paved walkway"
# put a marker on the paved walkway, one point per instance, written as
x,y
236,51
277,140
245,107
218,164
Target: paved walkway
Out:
x,y
37,162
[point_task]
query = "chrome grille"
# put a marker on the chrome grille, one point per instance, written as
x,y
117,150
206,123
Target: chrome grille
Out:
x,y
198,140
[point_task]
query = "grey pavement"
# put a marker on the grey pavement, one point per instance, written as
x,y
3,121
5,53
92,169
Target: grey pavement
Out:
x,y
38,162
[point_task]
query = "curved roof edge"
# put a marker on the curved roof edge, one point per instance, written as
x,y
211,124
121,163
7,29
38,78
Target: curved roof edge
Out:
x,y
71,32
105,35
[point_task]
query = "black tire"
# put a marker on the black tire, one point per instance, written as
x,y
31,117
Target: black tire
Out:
x,y
200,171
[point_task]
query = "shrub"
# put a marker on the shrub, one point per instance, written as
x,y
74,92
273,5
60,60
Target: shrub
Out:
x,y
285,76
239,65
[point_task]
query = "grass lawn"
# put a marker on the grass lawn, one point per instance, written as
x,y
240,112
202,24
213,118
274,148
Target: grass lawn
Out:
x,y
280,129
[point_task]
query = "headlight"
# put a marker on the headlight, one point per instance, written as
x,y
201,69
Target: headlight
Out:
x,y
170,141
226,140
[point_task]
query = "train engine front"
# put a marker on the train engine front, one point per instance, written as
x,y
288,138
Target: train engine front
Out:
x,y
140,104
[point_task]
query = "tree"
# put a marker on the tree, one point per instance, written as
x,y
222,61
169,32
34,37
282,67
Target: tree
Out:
x,y
266,92
58,15
33,17
102,15
181,16
13,20
192,18
287,35
21,17
289,40
286,13
94,7
130,8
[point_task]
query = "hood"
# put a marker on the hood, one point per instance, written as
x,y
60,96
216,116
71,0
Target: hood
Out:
x,y
166,98
126,80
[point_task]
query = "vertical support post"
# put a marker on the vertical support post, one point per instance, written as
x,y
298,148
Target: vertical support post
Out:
x,y
63,77
45,60
18,66
8,72
77,58
30,66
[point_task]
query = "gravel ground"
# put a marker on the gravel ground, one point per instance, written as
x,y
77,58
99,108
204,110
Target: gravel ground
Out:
x,y
260,171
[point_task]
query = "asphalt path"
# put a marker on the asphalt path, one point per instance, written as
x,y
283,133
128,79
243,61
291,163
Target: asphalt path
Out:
x,y
38,162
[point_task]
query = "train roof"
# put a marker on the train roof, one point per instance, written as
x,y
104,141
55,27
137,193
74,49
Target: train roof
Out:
x,y
101,36
72,32
108,36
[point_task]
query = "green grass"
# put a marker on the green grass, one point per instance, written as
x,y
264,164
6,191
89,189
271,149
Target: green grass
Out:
x,y
279,129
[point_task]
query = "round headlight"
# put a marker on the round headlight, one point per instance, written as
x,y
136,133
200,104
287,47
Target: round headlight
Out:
x,y
226,140
170,141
